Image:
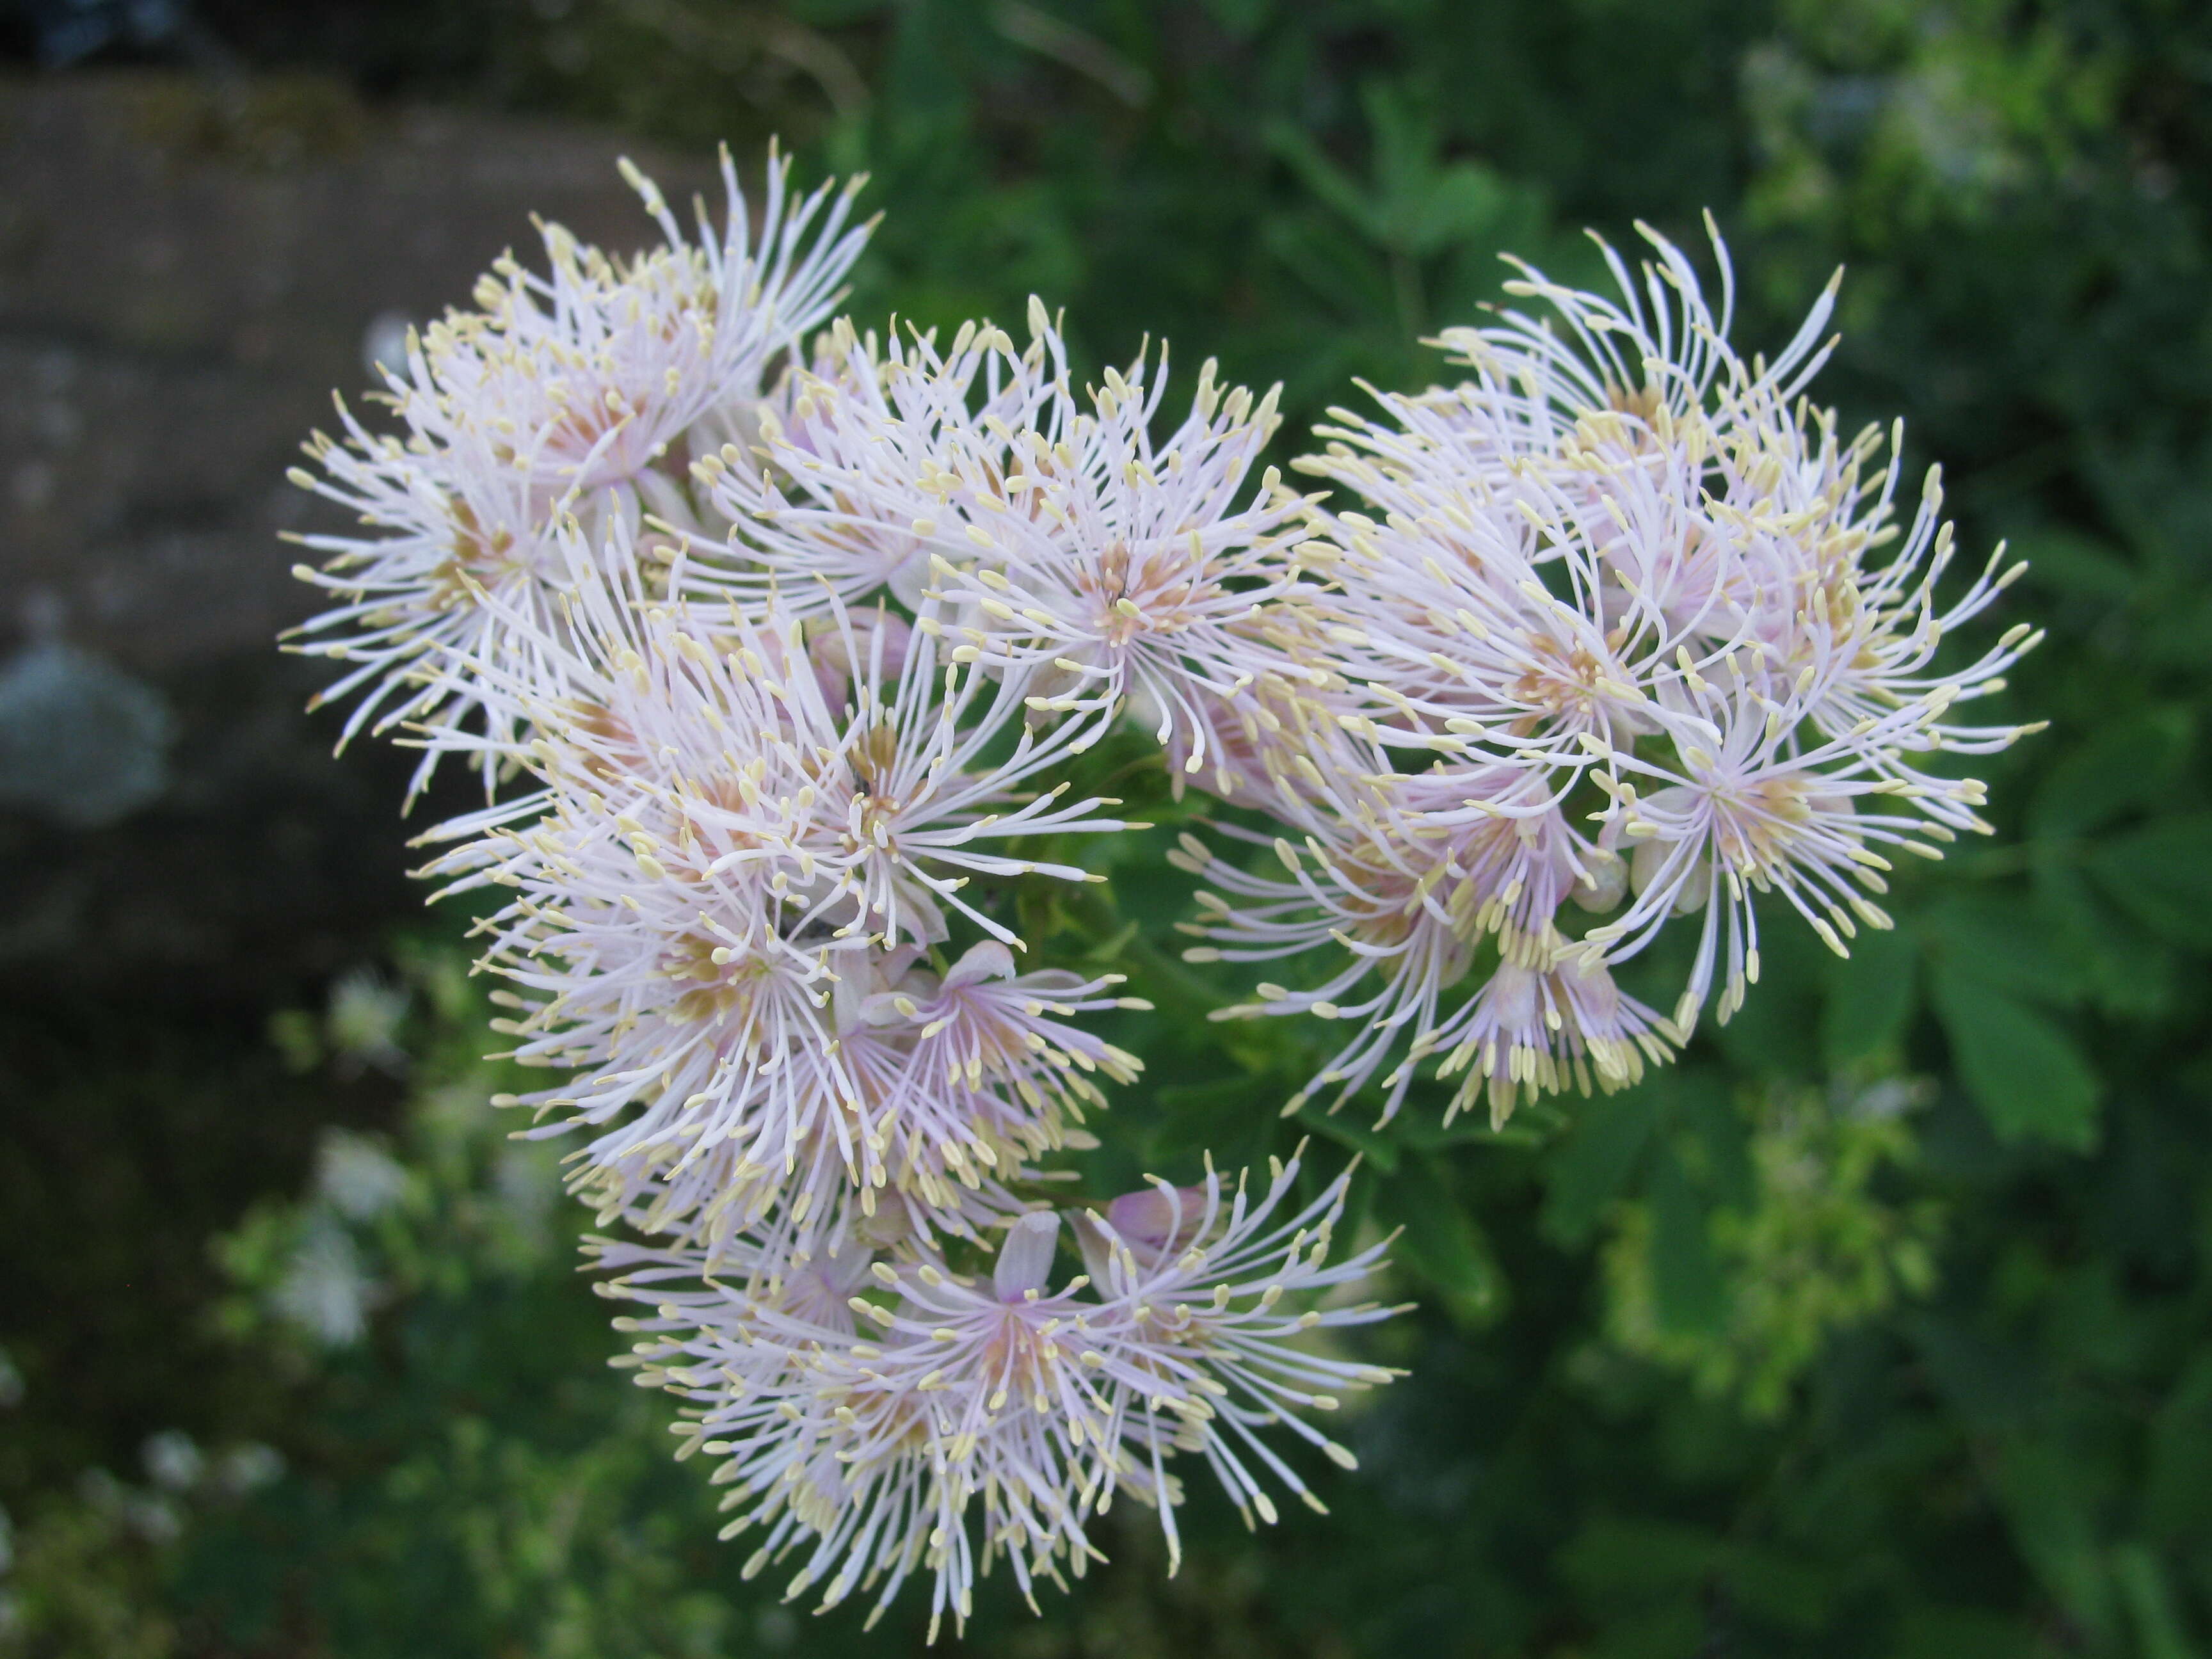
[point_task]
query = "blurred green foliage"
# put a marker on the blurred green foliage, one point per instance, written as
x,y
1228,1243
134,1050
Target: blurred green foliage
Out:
x,y
1882,1326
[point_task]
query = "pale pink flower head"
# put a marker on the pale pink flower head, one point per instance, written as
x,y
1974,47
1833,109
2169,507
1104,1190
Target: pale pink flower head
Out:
x,y
1544,1022
1222,1324
571,394
591,372
1076,548
974,1075
462,565
965,1417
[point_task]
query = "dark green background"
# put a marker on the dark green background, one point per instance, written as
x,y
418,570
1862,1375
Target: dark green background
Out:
x,y
1950,1393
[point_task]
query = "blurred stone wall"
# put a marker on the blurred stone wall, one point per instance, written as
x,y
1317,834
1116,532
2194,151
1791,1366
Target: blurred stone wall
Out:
x,y
188,267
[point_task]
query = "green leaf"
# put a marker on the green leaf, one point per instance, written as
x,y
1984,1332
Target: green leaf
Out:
x,y
2009,943
1870,996
1534,1124
2162,875
1442,1243
1378,1149
1630,1557
1325,179
1936,1632
1688,1291
2177,1498
2152,1606
2128,764
2023,1069
2048,1497
1593,1162
1467,200
1223,1114
1346,275
1712,1139
2076,566
1775,1034
2179,636
2132,975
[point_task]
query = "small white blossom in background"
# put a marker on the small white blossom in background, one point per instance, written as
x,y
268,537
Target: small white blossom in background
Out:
x,y
356,1177
174,1459
324,1292
362,1021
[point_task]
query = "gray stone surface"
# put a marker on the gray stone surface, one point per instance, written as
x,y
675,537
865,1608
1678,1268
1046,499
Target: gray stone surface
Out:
x,y
187,270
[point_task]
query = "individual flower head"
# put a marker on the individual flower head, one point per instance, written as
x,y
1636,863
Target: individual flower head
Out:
x,y
1750,802
1407,876
1581,512
603,363
1080,547
1596,502
573,392
825,499
717,875
1201,1277
1871,633
886,1146
953,1086
849,763
964,1417
419,593
823,1451
1547,1019
967,1418
983,1069
1361,892
1639,373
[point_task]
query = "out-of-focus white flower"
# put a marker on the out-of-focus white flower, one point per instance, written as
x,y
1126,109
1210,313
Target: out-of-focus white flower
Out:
x,y
362,1021
355,1177
246,1468
174,1459
325,1291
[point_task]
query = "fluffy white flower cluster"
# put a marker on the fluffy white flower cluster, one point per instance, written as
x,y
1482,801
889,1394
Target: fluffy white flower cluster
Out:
x,y
1618,576
774,650
861,1433
775,644
583,392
